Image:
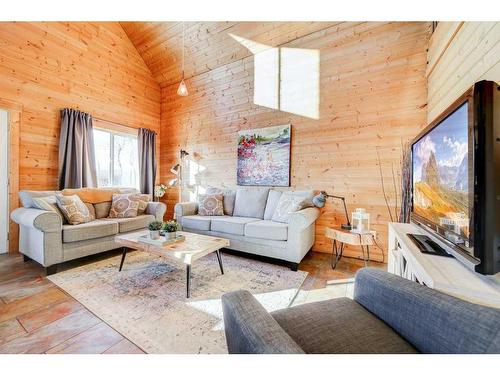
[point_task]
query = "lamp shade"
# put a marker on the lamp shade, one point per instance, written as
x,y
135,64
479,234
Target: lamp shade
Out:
x,y
319,200
175,169
182,90
173,182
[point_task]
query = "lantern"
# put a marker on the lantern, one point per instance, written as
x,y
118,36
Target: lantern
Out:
x,y
360,221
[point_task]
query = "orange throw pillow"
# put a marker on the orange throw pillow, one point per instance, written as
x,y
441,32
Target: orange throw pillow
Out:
x,y
93,195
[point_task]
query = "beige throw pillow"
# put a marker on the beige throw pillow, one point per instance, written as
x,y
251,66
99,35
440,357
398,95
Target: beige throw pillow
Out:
x,y
211,205
143,200
124,205
73,209
48,204
287,204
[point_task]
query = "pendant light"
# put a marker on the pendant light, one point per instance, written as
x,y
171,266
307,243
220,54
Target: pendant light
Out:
x,y
182,90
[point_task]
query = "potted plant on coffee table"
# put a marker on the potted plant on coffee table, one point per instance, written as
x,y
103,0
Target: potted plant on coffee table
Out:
x,y
170,229
154,230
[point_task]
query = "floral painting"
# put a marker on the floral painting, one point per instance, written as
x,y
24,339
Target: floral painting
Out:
x,y
264,156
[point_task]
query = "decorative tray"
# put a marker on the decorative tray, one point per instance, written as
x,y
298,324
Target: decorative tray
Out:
x,y
162,241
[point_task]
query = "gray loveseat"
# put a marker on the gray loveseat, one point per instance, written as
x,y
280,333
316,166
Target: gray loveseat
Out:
x,y
45,238
247,223
389,314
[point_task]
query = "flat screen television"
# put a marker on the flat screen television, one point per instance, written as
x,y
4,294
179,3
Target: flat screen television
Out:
x,y
456,178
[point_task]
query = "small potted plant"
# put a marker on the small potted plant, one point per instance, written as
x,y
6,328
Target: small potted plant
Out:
x,y
170,229
154,230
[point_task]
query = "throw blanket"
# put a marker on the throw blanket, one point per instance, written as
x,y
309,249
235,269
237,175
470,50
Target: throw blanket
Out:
x,y
93,195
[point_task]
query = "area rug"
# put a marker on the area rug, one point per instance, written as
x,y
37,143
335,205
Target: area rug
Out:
x,y
146,302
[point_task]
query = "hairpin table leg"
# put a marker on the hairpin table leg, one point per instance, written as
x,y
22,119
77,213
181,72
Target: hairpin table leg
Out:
x,y
124,253
336,253
220,261
188,279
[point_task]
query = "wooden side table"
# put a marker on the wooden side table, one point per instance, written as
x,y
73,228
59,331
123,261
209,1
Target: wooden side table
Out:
x,y
346,237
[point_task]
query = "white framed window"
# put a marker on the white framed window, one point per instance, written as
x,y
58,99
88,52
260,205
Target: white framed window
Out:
x,y
117,158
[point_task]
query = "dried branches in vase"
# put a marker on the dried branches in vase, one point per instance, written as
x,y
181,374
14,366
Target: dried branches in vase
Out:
x,y
401,181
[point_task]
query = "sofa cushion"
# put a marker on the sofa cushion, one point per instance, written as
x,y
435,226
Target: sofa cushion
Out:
x,y
196,222
308,196
272,202
275,195
268,230
26,196
124,206
92,195
102,209
128,224
211,204
229,198
73,209
287,204
91,209
48,204
143,200
90,230
250,202
339,325
231,224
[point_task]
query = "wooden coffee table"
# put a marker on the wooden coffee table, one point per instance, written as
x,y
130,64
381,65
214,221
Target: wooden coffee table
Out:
x,y
193,247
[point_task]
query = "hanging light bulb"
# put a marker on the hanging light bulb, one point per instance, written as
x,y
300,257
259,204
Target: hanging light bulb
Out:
x,y
182,90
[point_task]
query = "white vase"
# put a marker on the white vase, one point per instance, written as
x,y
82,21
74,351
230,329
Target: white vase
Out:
x,y
154,234
170,235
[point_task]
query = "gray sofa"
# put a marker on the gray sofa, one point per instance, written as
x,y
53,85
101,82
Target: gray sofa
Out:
x,y
247,223
45,238
389,314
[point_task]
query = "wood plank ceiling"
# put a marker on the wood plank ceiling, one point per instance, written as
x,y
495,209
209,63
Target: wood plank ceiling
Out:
x,y
208,45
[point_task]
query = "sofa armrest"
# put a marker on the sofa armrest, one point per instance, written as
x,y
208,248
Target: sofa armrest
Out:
x,y
303,218
433,322
45,221
185,209
157,209
301,233
250,329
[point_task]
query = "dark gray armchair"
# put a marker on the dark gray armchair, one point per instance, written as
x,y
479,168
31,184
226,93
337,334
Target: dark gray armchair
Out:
x,y
389,314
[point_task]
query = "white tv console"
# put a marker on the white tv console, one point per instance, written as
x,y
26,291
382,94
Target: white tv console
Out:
x,y
445,274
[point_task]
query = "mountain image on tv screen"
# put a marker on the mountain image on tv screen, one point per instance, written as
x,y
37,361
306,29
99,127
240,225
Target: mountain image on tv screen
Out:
x,y
440,174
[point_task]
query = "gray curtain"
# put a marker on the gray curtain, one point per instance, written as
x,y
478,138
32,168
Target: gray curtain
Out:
x,y
77,167
147,160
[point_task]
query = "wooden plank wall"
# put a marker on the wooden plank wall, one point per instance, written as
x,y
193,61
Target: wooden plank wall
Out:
x,y
373,97
90,66
460,54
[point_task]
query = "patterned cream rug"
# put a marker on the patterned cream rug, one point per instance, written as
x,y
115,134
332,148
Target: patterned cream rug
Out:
x,y
146,302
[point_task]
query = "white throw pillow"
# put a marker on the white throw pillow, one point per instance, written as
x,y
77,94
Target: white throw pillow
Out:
x,y
48,204
287,204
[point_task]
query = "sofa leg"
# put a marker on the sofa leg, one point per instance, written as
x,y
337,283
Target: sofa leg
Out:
x,y
26,258
50,270
294,266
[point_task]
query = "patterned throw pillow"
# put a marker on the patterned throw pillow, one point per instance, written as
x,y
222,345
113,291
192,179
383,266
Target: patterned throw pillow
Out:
x,y
48,204
143,200
73,209
211,205
287,204
124,205
228,199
